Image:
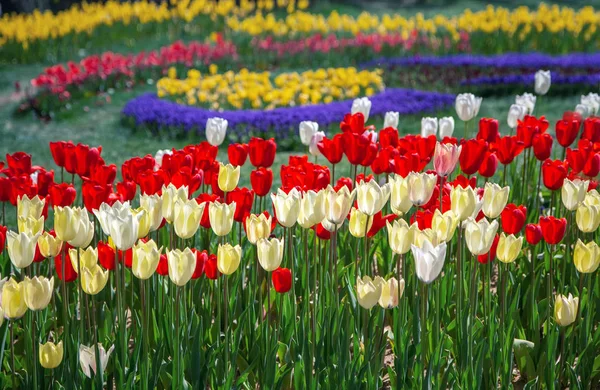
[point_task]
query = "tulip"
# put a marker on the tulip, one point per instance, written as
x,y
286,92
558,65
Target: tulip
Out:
x,y
51,354
145,258
13,299
228,258
262,152
508,248
362,105
588,218
542,82
358,223
591,100
513,218
21,248
444,224
170,194
84,231
583,110
592,198
307,129
446,125
573,193
400,236
391,119
121,223
371,197
399,195
261,180
49,245
368,291
30,207
472,154
270,253
258,227
88,258
445,158
38,292
221,217
494,200
390,294
516,113
286,206
152,204
464,202
488,130
87,358
282,280
428,126
467,106
93,279
216,128
429,260
66,222
420,187
554,174
337,204
332,149
566,131
2,238
533,233
586,257
186,217
181,265
553,229
228,177
313,147
479,236
565,309
542,146
312,208
237,153
527,100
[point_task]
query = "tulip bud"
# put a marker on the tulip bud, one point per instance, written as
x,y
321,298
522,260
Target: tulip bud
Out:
x,y
371,197
463,202
515,113
444,224
587,218
362,105
88,258
187,215
467,106
391,119
494,200
30,225
51,354
228,177
221,217
30,207
480,235
13,299
152,204
170,194
145,258
368,291
445,158
565,309
446,125
93,279
287,207
553,229
270,253
282,280
542,82
87,358
420,187
258,227
358,223
400,236
21,248
573,193
586,257
526,100
313,147
216,129
228,258
390,294
508,248
312,208
49,245
181,265
429,260
307,129
399,197
38,292
428,126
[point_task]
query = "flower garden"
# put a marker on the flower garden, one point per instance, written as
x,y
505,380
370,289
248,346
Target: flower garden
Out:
x,y
272,194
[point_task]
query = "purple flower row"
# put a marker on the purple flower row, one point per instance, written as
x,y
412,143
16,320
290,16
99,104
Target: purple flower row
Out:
x,y
149,110
529,79
508,60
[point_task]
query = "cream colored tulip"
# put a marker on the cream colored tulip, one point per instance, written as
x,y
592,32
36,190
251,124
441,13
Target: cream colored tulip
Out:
x,y
565,309
228,258
592,198
587,218
93,279
221,217
573,193
287,207
358,223
400,236
463,202
368,291
494,199
88,258
152,204
509,248
444,224
30,207
258,227
182,264
13,299
145,258
420,187
51,355
84,231
30,225
187,215
430,235
228,177
21,248
586,257
399,195
49,245
66,222
38,292
270,253
479,236
312,208
87,359
338,204
391,292
371,197
144,222
331,227
170,194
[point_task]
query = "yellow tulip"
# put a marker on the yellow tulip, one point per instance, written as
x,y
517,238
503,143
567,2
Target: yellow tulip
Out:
x,y
51,354
479,236
30,207
592,198
287,207
170,194
84,230
182,264
586,257
38,292
143,222
358,223
337,204
66,222
144,259
31,225
444,224
368,291
573,193
13,299
228,177
371,197
221,217
258,227
391,292
420,236
228,258
312,208
494,199
152,204
399,197
186,217
270,253
587,218
565,309
93,279
88,258
21,248
509,248
49,245
400,236
463,202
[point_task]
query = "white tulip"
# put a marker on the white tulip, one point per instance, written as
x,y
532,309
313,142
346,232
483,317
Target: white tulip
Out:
x,y
429,260
467,106
314,141
515,113
543,79
307,129
216,129
428,126
362,105
87,358
591,100
446,125
391,119
528,100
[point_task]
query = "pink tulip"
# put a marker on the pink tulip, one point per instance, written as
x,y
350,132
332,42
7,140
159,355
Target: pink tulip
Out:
x,y
445,158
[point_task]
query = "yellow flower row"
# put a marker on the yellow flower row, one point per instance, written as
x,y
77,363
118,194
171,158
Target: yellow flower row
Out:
x,y
553,19
247,89
84,18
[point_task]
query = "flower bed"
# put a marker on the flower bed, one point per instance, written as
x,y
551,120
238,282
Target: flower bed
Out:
x,y
149,111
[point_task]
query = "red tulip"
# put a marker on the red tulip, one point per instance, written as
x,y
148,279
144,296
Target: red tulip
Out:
x,y
126,190
343,181
243,199
210,267
2,238
423,218
150,182
69,274
471,155
186,177
106,256
201,258
19,163
87,159
491,255
353,123
282,280
104,174
5,189
70,157
542,146
20,186
591,129
507,148
332,149
383,163
554,174
261,180
321,232
94,195
489,165
553,229
136,165
529,127
576,159
379,222
369,154
407,163
388,137
592,165
57,149
163,265
208,198
44,180
62,194
262,152
533,233
237,154
566,132
513,218
488,130
355,146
